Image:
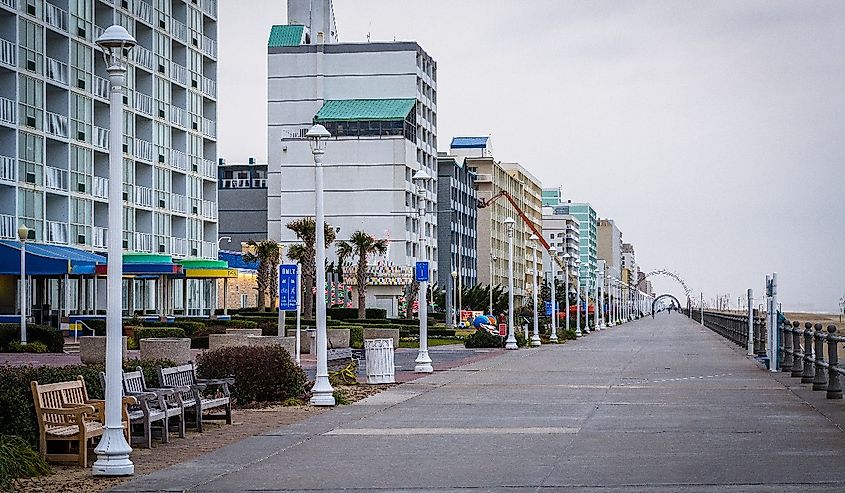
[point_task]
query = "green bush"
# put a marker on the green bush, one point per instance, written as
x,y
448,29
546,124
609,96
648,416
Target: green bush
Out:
x,y
404,321
343,313
18,460
262,373
31,347
356,337
569,335
483,339
97,325
190,327
377,313
52,338
199,342
158,332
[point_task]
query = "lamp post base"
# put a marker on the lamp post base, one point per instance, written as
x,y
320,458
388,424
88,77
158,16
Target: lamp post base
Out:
x,y
535,340
423,363
578,332
322,394
553,337
511,342
113,454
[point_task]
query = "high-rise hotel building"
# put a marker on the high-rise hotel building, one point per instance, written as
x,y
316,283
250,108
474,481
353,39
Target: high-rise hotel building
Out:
x,y
54,120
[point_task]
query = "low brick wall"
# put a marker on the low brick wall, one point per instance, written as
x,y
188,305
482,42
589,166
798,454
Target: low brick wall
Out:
x,y
177,350
92,349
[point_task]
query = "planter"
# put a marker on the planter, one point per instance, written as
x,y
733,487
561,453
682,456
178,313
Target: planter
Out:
x,y
92,349
338,339
286,342
382,334
216,341
177,350
244,332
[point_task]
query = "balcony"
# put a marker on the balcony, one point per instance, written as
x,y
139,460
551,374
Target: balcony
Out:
x,y
179,247
179,73
162,199
55,70
56,232
207,169
8,170
208,210
55,17
8,53
235,183
55,124
101,237
209,250
259,183
8,228
483,178
209,87
178,159
7,111
209,128
209,47
101,87
12,4
143,196
144,11
100,187
55,178
101,138
178,116
144,103
144,150
210,8
144,242
143,57
178,204
179,30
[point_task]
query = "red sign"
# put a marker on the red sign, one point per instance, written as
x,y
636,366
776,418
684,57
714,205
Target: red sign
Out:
x,y
503,329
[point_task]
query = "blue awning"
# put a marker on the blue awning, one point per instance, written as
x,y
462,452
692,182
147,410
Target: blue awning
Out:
x,y
236,260
47,260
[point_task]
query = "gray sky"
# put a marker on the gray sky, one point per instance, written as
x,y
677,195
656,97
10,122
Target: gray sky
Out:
x,y
712,132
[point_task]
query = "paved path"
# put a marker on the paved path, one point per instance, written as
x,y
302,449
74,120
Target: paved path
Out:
x,y
653,405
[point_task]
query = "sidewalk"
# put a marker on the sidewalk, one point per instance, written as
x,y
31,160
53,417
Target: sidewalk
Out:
x,y
653,405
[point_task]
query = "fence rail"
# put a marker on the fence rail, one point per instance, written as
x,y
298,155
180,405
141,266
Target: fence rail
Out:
x,y
734,327
802,354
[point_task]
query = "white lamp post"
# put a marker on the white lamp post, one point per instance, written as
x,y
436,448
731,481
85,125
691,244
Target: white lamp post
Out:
x,y
113,450
23,232
535,339
553,265
587,303
510,343
454,297
597,301
493,259
566,259
322,392
423,361
577,265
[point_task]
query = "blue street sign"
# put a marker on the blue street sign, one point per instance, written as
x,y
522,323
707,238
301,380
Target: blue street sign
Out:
x,y
422,271
548,308
287,287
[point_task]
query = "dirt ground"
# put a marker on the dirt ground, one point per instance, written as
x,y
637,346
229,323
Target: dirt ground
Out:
x,y
245,423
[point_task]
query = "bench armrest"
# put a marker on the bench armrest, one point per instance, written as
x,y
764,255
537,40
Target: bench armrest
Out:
x,y
216,381
70,409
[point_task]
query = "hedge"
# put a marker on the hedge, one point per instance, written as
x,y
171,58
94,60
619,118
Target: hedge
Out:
x,y
431,332
17,409
348,313
49,336
150,332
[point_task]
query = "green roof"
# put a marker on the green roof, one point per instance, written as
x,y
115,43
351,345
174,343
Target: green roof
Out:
x,y
365,110
146,258
199,263
285,36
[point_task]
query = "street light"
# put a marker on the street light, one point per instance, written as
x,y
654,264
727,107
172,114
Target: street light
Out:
x,y
453,299
566,259
577,265
510,343
493,259
423,361
322,392
553,266
227,238
599,303
535,339
113,449
23,233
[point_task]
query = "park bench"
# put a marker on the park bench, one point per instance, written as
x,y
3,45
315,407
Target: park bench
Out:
x,y
66,414
195,394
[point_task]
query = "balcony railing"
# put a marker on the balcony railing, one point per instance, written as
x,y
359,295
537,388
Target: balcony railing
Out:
x,y
101,87
143,57
8,170
101,237
179,247
179,73
55,17
144,242
55,178
180,30
235,183
209,250
7,111
178,116
98,31
56,232
55,124
8,53
144,11
55,70
100,187
207,168
178,203
143,196
8,228
178,159
208,210
209,87
12,4
144,103
162,199
209,7
144,149
209,128
101,138
209,47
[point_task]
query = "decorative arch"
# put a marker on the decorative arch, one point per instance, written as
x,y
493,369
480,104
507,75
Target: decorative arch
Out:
x,y
667,295
670,274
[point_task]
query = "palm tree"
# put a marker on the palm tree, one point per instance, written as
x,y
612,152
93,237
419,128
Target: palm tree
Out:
x,y
361,244
305,253
267,253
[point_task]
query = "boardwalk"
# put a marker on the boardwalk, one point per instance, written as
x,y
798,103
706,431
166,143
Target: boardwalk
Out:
x,y
654,405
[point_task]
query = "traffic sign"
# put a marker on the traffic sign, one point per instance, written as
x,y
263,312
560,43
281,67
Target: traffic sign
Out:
x,y
288,287
422,271
548,308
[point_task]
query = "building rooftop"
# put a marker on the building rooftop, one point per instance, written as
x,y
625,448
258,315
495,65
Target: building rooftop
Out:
x,y
365,110
281,36
469,142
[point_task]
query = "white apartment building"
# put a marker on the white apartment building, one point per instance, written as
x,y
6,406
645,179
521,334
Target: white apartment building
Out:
x,y
562,232
54,120
379,102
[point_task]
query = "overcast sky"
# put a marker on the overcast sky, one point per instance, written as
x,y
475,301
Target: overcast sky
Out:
x,y
712,132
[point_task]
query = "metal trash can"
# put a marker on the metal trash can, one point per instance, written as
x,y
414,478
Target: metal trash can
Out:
x,y
379,356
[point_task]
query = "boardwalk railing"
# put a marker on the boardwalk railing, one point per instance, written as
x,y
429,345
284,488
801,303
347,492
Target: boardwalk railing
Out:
x,y
733,327
803,352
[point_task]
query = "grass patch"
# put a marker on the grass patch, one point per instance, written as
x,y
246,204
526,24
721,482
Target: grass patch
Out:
x,y
415,343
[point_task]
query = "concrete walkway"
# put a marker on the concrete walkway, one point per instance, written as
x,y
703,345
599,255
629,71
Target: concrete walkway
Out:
x,y
653,405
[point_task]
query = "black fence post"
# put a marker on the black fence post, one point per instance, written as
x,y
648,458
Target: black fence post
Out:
x,y
834,389
797,351
788,355
820,380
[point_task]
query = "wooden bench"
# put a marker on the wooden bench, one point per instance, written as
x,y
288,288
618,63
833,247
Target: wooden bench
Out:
x,y
66,414
195,394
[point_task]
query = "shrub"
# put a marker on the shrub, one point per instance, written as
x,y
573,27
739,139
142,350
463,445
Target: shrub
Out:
x,y
150,332
569,335
377,313
356,337
18,460
269,327
50,337
404,321
199,342
31,347
262,374
97,325
342,313
483,339
340,397
190,327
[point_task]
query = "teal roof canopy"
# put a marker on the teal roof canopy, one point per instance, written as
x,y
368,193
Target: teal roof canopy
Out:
x,y
286,36
365,110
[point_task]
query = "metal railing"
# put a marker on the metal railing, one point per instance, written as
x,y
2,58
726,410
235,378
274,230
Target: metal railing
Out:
x,y
178,204
55,70
7,111
179,73
143,196
144,11
178,116
55,16
55,124
209,87
179,30
8,169
101,237
208,210
55,178
235,183
143,57
144,149
209,47
101,87
207,168
179,247
101,137
56,232
12,4
802,354
178,159
144,242
734,327
8,228
209,128
209,250
144,103
100,187
8,53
